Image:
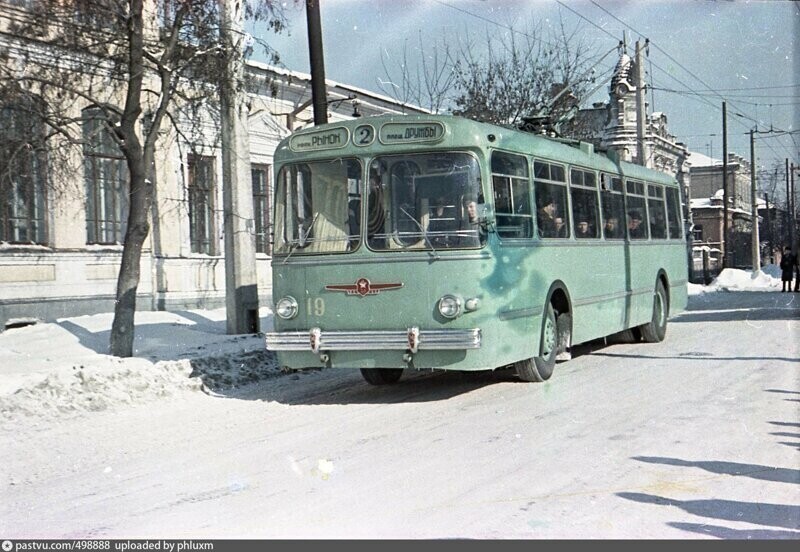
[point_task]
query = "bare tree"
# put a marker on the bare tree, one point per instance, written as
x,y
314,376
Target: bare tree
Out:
x,y
427,81
138,63
503,79
521,76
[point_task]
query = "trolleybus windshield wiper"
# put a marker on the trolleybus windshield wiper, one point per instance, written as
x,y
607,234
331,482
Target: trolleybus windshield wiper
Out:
x,y
424,234
296,243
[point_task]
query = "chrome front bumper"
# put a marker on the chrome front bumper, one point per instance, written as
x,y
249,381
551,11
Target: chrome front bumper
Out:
x,y
412,340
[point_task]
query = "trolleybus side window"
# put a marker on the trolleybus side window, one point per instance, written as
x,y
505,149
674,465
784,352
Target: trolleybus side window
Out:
x,y
658,216
673,214
637,210
511,188
613,207
552,213
317,211
583,187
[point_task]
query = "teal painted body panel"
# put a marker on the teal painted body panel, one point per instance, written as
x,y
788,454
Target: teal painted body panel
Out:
x,y
609,284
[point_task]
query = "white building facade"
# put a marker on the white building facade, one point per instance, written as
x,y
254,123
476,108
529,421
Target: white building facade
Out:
x,y
61,234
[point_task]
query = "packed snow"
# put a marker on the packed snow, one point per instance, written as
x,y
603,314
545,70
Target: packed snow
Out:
x,y
58,368
61,368
732,279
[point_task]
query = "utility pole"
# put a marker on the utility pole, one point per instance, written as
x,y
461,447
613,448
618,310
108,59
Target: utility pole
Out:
x,y
241,282
726,253
787,215
770,244
317,60
793,218
641,108
756,246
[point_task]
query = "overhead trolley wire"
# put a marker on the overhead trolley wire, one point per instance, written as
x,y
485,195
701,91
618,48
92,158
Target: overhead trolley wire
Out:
x,y
685,69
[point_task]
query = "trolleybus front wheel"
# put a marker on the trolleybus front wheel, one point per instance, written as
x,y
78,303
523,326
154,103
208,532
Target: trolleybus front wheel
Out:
x,y
381,376
655,330
540,368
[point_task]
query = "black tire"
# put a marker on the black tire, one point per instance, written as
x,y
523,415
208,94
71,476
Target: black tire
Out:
x,y
655,330
540,368
381,376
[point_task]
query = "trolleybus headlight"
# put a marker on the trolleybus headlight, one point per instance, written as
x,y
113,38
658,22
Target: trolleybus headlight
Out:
x,y
450,306
286,308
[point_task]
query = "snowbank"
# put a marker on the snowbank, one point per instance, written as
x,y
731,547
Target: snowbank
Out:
x,y
746,280
60,368
734,279
100,386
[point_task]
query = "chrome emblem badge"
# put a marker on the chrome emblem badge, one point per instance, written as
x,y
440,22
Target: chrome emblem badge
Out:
x,y
362,287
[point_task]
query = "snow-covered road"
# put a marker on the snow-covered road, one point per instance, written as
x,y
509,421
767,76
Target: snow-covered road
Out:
x,y
694,437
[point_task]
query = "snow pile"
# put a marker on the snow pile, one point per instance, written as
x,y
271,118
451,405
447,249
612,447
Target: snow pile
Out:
x,y
698,289
59,368
745,280
772,270
100,386
734,279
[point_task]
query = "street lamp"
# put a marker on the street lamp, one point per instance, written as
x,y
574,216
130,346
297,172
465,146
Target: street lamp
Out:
x,y
350,97
290,117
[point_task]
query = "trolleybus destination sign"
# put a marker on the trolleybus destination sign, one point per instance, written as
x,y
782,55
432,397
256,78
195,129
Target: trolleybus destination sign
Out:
x,y
404,133
331,138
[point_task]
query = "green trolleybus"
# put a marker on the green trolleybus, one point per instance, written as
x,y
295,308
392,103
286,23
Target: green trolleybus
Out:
x,y
436,242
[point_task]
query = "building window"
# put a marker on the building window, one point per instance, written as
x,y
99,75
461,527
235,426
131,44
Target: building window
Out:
x,y
697,232
106,178
23,174
201,204
261,207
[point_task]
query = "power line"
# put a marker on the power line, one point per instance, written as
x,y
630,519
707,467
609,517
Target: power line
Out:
x,y
716,93
587,20
759,88
487,20
679,64
690,95
682,67
513,30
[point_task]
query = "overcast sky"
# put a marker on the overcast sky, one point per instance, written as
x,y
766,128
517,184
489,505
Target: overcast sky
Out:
x,y
704,51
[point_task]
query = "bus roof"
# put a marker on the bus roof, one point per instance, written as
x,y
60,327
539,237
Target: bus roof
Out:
x,y
457,133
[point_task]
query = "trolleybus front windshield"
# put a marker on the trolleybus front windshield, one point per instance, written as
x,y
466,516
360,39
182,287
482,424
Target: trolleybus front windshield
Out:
x,y
318,207
424,201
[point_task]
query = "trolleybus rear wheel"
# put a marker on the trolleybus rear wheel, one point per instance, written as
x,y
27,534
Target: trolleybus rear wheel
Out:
x,y
540,368
655,330
381,376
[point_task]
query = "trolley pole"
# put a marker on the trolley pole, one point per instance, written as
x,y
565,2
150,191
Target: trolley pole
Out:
x,y
756,247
